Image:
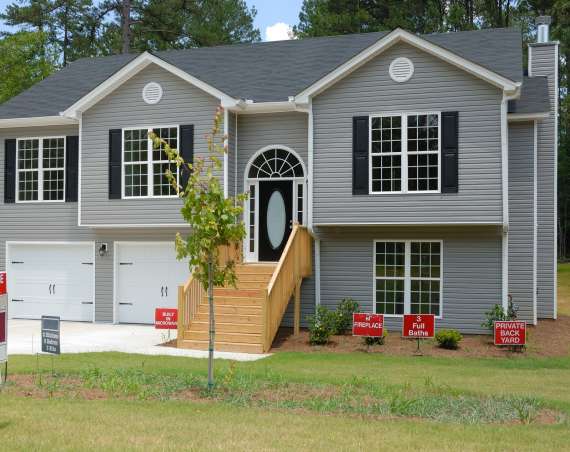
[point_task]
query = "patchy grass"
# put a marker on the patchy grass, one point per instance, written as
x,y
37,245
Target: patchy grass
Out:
x,y
564,289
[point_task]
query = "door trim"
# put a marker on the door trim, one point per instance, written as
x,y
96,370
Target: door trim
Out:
x,y
116,245
56,243
247,182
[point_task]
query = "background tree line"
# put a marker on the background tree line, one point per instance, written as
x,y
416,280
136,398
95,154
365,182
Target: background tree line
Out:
x,y
52,33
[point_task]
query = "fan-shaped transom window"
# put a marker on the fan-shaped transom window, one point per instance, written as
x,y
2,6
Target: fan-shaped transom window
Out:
x,y
275,163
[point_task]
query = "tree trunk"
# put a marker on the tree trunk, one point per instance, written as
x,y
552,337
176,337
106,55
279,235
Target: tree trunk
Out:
x,y
126,19
212,327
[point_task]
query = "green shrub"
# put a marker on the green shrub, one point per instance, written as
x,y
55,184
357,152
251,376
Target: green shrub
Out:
x,y
321,326
343,315
499,314
370,341
448,339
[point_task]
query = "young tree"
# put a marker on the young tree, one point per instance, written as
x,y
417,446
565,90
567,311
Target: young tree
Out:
x,y
214,220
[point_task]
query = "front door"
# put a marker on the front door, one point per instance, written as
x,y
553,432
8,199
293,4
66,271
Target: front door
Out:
x,y
275,218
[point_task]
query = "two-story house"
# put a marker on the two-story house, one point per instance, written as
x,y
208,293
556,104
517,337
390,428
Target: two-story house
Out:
x,y
423,166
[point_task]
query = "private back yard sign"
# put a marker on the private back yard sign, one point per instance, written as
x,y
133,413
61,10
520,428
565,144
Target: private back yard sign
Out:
x,y
510,332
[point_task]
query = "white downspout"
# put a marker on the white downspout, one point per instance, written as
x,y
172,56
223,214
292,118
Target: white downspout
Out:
x,y
535,229
310,179
505,196
226,154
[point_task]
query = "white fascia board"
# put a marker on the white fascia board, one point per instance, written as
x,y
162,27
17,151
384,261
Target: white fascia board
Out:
x,y
417,223
395,37
514,117
245,108
37,121
130,70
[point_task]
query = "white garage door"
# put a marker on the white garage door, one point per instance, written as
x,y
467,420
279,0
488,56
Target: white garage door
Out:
x,y
45,279
148,278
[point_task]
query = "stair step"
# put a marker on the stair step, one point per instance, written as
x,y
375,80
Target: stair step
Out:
x,y
255,269
239,292
232,309
222,346
236,319
222,327
243,338
234,301
248,285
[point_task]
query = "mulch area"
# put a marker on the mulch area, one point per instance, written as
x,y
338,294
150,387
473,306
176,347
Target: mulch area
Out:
x,y
550,338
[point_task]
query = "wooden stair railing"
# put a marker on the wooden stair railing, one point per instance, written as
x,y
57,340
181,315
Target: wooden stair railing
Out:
x,y
294,265
191,294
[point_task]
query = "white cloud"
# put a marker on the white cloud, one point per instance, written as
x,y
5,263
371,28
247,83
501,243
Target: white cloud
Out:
x,y
279,31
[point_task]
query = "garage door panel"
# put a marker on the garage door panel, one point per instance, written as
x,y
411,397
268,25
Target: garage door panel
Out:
x,y
148,279
51,280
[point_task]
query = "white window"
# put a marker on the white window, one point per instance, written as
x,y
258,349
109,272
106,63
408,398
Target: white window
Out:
x,y
407,277
405,153
144,168
41,169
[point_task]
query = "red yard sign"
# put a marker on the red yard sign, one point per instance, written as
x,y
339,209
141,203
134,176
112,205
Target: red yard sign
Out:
x,y
510,332
3,283
368,325
418,326
166,318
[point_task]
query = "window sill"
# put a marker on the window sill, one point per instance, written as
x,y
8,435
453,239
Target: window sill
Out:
x,y
426,192
130,198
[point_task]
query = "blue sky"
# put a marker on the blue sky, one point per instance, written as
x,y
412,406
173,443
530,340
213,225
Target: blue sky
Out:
x,y
269,13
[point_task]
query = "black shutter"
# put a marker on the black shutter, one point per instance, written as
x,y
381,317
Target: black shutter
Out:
x,y
115,173
71,168
10,171
360,155
449,151
186,151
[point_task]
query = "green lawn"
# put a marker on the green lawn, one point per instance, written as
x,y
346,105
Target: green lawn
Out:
x,y
290,401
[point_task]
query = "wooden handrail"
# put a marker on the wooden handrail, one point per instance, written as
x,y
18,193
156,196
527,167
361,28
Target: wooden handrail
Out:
x,y
191,294
294,265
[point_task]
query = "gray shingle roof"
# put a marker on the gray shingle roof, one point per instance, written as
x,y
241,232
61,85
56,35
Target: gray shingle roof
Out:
x,y
263,72
534,97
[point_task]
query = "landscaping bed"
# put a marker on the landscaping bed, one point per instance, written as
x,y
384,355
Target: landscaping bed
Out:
x,y
550,338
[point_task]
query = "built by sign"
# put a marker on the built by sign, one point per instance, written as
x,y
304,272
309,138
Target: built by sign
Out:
x,y
367,325
166,318
50,335
510,332
418,326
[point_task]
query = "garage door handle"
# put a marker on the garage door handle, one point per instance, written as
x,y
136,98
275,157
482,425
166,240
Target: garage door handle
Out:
x,y
17,262
19,300
54,289
50,289
86,302
126,304
162,291
166,290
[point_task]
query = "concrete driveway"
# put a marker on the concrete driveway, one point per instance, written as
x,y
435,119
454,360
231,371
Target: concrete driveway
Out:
x,y
79,337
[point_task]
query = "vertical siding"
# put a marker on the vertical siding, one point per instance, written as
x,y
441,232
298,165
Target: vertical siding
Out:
x,y
521,217
435,86
257,131
181,104
543,63
471,270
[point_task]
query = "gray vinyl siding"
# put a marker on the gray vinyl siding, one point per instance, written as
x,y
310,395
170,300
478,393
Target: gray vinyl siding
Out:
x,y
543,58
471,270
258,131
307,301
181,104
435,86
521,217
232,154
38,221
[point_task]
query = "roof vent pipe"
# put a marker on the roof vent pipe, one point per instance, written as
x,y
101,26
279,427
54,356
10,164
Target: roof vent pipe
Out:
x,y
543,25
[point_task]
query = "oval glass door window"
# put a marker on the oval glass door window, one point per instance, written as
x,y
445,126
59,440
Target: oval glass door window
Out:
x,y
276,219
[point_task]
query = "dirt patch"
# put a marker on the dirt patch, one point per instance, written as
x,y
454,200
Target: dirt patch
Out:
x,y
550,338
47,386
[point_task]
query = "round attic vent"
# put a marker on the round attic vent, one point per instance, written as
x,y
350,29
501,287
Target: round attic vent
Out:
x,y
401,70
152,93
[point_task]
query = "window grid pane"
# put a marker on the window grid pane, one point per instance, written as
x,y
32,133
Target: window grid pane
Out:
x,y
252,218
390,275
300,203
162,186
136,180
386,151
423,152
425,272
53,163
28,169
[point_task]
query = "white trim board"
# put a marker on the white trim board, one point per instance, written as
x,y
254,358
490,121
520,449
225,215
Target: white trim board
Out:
x,y
131,69
37,121
392,38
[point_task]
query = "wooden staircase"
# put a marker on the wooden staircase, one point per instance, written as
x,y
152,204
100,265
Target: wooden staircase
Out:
x,y
247,316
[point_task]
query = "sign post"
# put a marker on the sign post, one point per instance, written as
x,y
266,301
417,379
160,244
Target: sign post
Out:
x,y
510,332
3,328
418,326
